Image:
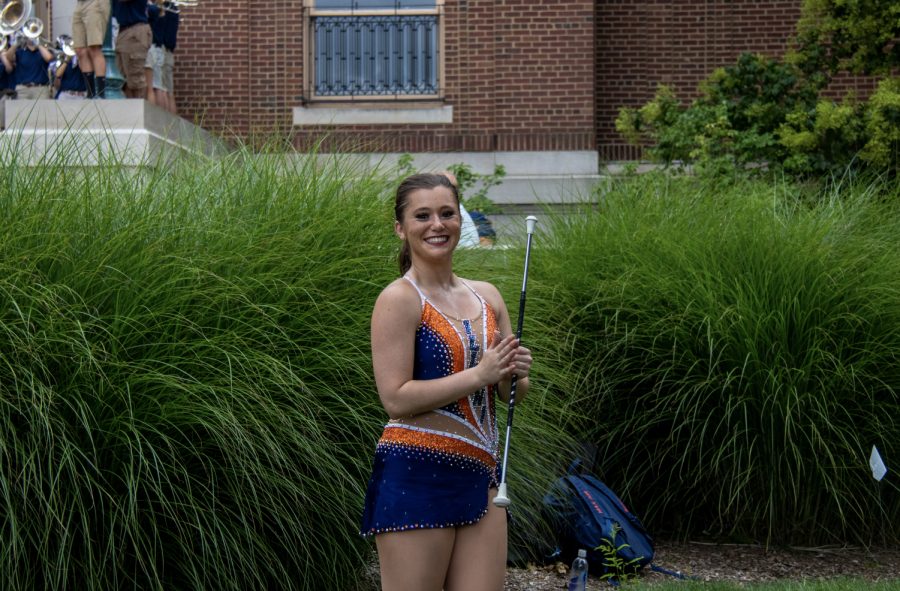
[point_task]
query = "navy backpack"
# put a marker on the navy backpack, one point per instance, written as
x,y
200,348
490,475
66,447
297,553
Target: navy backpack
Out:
x,y
586,512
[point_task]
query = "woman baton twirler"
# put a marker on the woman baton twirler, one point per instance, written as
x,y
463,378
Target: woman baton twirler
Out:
x,y
440,362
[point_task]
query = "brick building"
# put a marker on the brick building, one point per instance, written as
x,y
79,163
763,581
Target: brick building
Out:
x,y
517,75
533,84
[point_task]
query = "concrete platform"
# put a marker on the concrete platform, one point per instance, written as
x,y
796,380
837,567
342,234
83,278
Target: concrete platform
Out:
x,y
130,131
531,177
135,132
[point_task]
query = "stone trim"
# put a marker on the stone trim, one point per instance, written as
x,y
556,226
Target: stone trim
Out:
x,y
392,116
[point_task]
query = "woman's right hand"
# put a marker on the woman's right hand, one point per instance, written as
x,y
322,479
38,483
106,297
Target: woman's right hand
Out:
x,y
498,361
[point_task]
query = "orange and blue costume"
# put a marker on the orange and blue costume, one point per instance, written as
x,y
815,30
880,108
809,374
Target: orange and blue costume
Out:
x,y
434,469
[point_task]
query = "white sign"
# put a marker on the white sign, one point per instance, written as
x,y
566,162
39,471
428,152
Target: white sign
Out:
x,y
877,464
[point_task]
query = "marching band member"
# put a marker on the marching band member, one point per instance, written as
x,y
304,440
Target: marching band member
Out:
x,y
69,80
132,44
28,63
440,367
153,67
89,23
7,83
170,38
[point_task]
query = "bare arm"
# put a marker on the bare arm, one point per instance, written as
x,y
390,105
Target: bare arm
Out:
x,y
45,53
395,319
9,59
522,358
57,80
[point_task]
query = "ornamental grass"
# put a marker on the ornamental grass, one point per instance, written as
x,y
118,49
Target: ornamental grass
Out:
x,y
185,370
737,351
186,382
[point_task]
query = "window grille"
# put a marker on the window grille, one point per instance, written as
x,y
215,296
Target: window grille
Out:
x,y
375,55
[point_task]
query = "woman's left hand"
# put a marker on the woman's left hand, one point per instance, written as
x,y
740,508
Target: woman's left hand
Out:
x,y
522,360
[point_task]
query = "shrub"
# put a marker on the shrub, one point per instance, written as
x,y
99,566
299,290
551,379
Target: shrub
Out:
x,y
856,36
185,374
735,352
762,111
468,179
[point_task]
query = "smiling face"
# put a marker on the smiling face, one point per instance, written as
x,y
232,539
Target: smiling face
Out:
x,y
431,223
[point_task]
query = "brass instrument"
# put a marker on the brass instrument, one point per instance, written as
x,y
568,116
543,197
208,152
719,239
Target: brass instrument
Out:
x,y
175,5
13,14
62,55
67,44
32,28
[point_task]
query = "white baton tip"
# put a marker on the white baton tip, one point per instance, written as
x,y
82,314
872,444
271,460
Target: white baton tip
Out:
x,y
501,500
530,221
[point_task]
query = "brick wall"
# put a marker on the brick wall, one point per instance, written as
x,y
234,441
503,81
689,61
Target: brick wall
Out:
x,y
212,65
518,73
643,43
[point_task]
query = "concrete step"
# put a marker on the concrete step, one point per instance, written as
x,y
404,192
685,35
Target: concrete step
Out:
x,y
132,131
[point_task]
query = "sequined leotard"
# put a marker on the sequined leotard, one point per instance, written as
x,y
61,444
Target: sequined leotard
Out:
x,y
434,469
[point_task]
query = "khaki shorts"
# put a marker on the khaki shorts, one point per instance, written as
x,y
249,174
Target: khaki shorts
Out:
x,y
89,22
132,45
169,72
30,93
155,60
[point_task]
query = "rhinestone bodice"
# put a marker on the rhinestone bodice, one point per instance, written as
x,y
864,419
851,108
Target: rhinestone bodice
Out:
x,y
445,346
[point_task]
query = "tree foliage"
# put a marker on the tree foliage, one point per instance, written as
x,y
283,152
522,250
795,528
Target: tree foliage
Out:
x,y
763,110
852,35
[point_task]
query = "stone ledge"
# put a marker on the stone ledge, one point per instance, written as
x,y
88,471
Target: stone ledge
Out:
x,y
371,116
546,163
132,131
531,177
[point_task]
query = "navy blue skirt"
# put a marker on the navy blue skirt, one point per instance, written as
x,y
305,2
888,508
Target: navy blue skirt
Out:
x,y
419,485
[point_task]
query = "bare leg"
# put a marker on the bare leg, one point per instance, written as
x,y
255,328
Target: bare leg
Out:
x,y
415,559
478,562
171,99
149,95
84,60
161,98
98,60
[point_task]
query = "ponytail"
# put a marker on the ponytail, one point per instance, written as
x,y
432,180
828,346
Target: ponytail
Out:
x,y
410,184
404,259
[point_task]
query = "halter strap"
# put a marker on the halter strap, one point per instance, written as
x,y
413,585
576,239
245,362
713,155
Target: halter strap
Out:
x,y
421,295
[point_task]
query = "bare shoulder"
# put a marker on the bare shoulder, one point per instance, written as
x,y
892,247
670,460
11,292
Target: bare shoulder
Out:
x,y
399,299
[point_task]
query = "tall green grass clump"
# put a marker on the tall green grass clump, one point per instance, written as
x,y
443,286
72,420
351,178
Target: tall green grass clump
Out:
x,y
736,351
185,370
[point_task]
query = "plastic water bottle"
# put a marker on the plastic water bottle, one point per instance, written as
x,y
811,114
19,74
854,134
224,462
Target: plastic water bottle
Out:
x,y
579,572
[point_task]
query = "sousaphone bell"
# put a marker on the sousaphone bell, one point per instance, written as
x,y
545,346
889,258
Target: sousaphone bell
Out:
x,y
13,15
